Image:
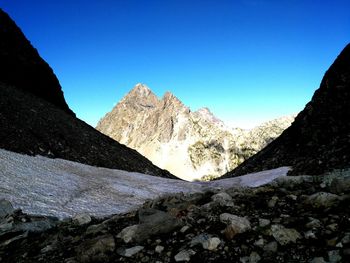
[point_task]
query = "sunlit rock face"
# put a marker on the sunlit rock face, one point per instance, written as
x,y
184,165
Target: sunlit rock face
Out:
x,y
319,139
191,145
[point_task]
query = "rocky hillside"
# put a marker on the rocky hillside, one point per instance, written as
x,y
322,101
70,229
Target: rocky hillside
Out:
x,y
191,145
35,119
292,220
319,138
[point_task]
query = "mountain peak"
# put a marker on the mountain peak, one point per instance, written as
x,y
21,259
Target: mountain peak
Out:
x,y
141,89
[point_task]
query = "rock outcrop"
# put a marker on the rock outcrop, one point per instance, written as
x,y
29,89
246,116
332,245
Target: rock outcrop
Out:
x,y
191,145
319,138
35,119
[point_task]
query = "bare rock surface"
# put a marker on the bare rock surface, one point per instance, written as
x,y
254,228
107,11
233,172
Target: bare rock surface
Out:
x,y
191,145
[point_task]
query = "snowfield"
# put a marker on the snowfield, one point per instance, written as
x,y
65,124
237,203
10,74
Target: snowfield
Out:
x,y
56,187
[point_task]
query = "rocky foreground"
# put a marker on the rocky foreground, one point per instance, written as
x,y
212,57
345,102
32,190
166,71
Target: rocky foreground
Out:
x,y
293,219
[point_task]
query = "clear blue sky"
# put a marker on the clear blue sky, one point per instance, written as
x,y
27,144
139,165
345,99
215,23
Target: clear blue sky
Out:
x,y
247,60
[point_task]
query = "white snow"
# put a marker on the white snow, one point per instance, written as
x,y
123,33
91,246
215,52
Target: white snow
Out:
x,y
39,185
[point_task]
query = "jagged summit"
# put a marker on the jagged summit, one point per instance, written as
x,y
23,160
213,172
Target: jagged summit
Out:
x,y
318,140
189,144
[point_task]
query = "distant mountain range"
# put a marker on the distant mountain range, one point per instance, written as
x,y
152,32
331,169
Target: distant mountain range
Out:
x,y
191,145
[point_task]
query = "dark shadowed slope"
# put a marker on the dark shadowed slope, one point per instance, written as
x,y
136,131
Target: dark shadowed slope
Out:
x,y
22,67
35,119
319,138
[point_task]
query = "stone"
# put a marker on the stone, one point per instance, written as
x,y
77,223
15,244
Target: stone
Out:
x,y
310,235
129,233
264,222
235,225
223,199
284,235
184,229
6,208
184,255
314,223
322,200
152,222
254,257
82,219
260,243
211,243
271,247
159,249
334,256
96,249
272,202
129,252
318,260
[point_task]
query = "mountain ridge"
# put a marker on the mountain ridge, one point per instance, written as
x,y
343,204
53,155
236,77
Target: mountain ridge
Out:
x,y
190,144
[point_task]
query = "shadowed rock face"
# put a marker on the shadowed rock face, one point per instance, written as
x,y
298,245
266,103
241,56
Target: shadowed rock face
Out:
x,y
319,138
35,119
22,67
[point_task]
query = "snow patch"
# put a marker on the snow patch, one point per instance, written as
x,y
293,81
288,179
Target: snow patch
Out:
x,y
39,185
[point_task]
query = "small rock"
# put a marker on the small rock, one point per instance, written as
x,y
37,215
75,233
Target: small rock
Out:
x,y
333,227
236,225
284,235
271,247
322,200
318,260
96,249
184,255
184,229
211,243
6,227
6,208
254,257
222,199
314,223
159,249
273,201
129,252
334,256
128,234
260,242
264,222
346,239
81,219
310,235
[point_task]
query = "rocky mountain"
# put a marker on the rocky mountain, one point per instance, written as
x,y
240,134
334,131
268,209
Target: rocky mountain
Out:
x,y
191,145
319,138
35,118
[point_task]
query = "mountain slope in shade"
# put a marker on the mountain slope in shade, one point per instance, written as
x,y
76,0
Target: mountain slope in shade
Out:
x,y
34,118
319,138
22,67
191,145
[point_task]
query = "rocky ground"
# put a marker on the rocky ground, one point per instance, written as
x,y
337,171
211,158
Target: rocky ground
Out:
x,y
293,219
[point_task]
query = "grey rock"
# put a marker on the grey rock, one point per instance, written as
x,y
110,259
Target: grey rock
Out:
x,y
129,252
264,222
322,200
184,255
6,208
271,247
314,223
96,249
235,224
318,260
284,235
159,249
272,202
254,257
211,243
152,222
334,256
81,219
223,199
